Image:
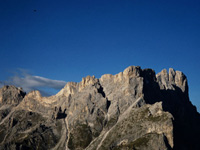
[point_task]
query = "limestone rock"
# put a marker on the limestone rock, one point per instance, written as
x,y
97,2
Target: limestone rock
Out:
x,y
172,80
134,109
11,95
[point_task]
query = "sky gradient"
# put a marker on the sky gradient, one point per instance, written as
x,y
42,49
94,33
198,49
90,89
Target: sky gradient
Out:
x,y
70,39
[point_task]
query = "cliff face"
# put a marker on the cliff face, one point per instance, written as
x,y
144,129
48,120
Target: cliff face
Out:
x,y
135,109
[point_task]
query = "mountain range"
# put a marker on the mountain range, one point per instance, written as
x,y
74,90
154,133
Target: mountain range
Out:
x,y
133,110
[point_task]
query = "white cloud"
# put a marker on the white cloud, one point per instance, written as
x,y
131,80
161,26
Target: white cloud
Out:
x,y
29,82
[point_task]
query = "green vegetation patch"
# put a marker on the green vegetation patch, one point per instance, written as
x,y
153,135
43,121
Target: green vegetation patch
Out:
x,y
80,137
134,145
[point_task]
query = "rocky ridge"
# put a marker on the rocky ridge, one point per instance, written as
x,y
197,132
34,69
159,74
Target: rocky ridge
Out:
x,y
134,109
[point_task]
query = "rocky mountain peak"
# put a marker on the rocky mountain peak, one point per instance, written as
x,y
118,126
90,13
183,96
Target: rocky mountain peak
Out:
x,y
89,80
132,71
34,94
73,87
172,79
11,95
70,88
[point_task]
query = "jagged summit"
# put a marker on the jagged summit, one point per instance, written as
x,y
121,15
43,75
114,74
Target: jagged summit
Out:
x,y
11,95
172,78
176,78
134,109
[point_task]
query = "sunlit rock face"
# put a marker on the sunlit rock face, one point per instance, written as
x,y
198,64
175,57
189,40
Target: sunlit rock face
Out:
x,y
134,109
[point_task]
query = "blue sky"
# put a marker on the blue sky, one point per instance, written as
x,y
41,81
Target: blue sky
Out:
x,y
69,39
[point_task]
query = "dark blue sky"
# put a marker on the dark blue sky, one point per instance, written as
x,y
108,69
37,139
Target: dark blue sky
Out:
x,y
69,39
